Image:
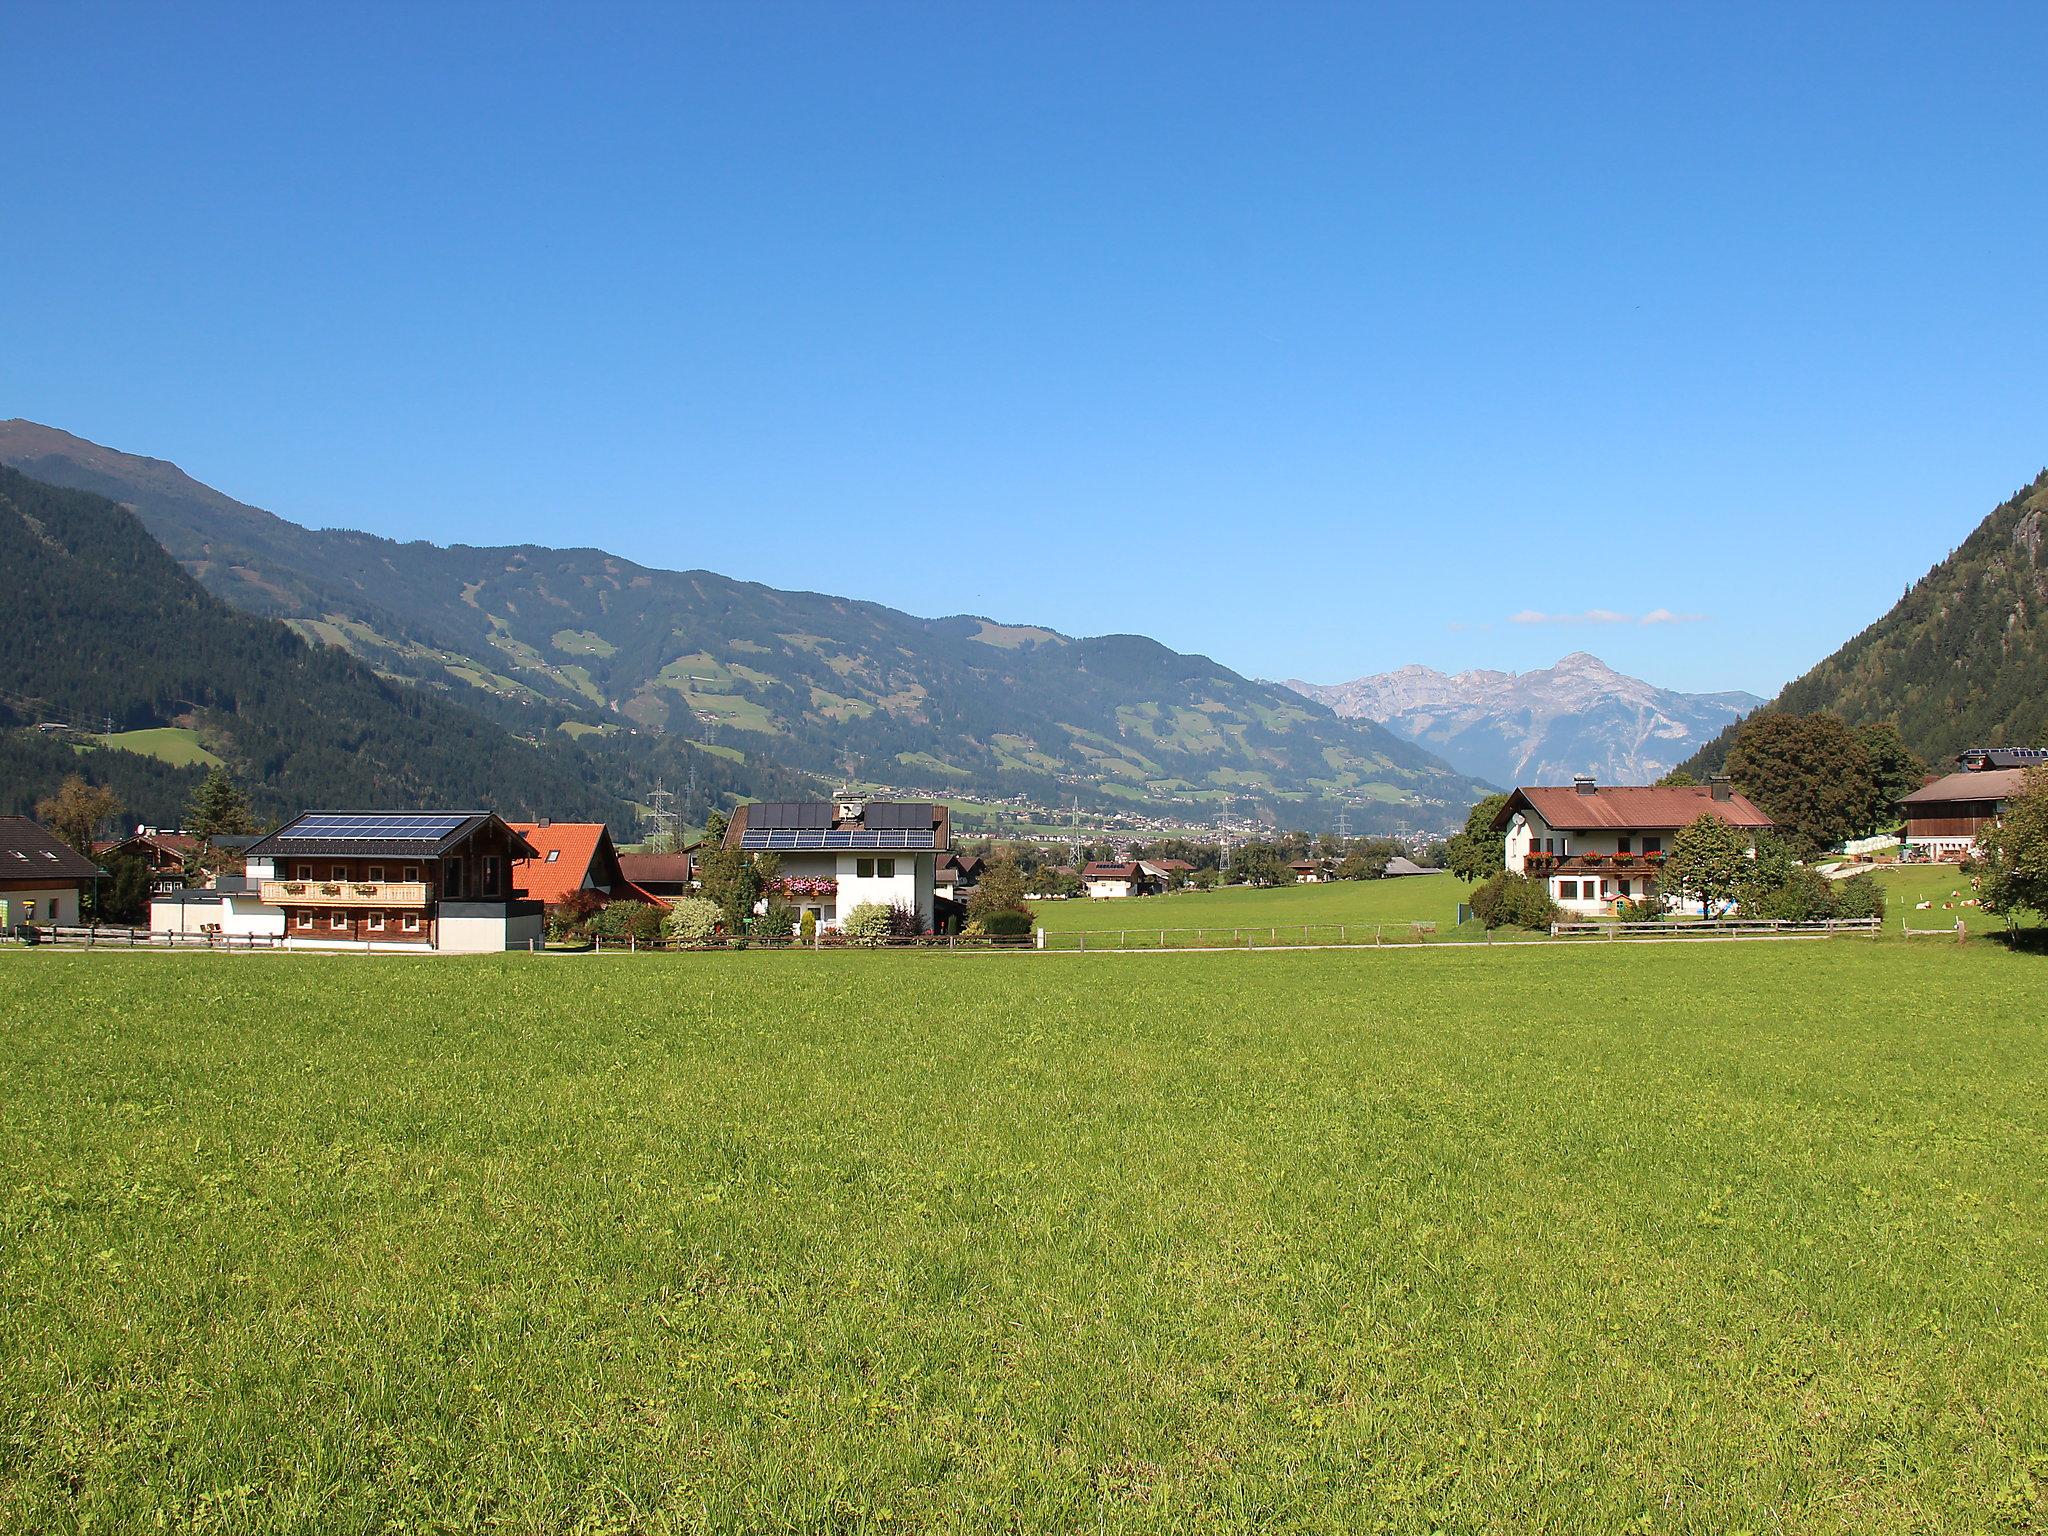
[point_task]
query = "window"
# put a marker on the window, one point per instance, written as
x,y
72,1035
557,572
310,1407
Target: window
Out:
x,y
1550,845
28,910
1653,845
885,869
375,874
412,922
1567,890
554,854
337,920
1621,845
451,880
489,881
305,871
338,872
864,869
1625,892
412,872
376,922
305,919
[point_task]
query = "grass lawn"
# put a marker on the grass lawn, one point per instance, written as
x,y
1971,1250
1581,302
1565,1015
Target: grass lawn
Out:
x,y
1944,886
1427,898
1539,1239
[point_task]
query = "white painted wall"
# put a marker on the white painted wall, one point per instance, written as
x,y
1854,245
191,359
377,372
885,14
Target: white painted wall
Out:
x,y
488,935
237,915
54,904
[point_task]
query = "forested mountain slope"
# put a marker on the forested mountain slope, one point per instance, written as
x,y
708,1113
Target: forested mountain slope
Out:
x,y
99,626
1961,660
963,706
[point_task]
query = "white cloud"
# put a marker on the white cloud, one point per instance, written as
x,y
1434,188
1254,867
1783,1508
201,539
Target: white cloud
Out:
x,y
1606,616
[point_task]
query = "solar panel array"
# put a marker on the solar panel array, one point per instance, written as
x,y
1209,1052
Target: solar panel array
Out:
x,y
891,816
824,839
409,826
784,814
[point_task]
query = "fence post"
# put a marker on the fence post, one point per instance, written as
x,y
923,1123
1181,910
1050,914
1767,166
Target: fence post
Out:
x,y
1962,933
1083,937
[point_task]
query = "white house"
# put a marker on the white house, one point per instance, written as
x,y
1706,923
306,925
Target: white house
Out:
x,y
1113,882
836,855
1595,847
41,879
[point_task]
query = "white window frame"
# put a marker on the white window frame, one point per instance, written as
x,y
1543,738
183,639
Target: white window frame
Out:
x,y
376,922
305,920
412,922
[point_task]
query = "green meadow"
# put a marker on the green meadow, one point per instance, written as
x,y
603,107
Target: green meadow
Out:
x,y
1415,898
1532,1239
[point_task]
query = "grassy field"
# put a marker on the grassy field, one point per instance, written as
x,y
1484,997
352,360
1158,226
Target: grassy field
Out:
x,y
1428,898
179,747
1541,1239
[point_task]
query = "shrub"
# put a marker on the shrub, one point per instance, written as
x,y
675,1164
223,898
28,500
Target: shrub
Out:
x,y
1513,901
1646,909
1859,896
777,921
809,927
693,919
904,922
1006,924
622,920
866,925
1805,897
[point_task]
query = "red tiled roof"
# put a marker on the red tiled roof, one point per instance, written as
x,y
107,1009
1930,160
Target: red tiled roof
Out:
x,y
577,845
1629,807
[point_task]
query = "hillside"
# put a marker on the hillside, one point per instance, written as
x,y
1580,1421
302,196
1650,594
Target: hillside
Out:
x,y
1960,661
963,706
99,626
1580,716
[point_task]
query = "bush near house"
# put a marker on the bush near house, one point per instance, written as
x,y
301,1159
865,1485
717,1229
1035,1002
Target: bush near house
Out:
x,y
1513,901
866,924
693,919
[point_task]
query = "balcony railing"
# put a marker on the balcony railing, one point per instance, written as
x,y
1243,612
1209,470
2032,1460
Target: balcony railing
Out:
x,y
344,893
1592,863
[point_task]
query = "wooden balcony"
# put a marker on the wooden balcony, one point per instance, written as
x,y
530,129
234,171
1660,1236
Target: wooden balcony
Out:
x,y
1625,865
344,893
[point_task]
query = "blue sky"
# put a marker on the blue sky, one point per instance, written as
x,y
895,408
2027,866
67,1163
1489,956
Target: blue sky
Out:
x,y
1316,339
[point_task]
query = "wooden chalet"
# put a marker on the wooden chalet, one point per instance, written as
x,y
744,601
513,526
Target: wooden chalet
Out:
x,y
1944,817
164,853
429,880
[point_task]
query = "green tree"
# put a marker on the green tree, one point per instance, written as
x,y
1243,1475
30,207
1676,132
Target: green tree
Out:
x,y
693,919
730,879
77,811
2010,866
999,890
1678,778
1810,774
218,808
1707,862
715,823
1478,852
1895,772
1260,864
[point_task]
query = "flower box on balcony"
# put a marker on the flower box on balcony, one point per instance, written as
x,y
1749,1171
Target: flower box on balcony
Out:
x,y
296,887
330,890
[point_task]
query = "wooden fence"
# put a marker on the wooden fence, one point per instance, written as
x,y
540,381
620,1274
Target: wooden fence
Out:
x,y
1722,928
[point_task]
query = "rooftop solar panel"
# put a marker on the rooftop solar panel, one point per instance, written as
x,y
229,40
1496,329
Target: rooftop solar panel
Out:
x,y
367,827
826,840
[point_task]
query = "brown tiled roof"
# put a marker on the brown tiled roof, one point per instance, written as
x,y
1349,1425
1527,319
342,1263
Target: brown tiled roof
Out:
x,y
656,868
1629,807
1110,872
27,852
1986,784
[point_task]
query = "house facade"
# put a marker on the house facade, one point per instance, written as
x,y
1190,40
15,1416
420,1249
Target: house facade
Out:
x,y
412,880
164,853
667,875
573,859
1113,882
1943,818
836,855
1595,847
42,881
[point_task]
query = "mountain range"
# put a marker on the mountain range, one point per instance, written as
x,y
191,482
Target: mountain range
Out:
x,y
1960,661
582,647
1579,716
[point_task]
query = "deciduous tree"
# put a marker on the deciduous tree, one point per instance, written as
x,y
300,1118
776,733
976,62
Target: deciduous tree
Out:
x,y
1478,852
2010,866
1707,862
77,811
1810,773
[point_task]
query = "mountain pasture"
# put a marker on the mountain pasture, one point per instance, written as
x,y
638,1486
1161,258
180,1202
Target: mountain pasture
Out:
x,y
1541,1238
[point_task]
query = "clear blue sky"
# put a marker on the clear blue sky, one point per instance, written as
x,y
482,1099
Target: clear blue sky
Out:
x,y
1316,339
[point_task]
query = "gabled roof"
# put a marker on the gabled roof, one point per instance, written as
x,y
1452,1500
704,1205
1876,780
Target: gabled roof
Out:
x,y
27,852
583,855
1983,784
1629,807
656,868
177,844
1111,872
814,826
367,834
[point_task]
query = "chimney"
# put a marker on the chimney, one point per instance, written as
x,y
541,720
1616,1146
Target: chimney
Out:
x,y
1583,783
544,823
1720,785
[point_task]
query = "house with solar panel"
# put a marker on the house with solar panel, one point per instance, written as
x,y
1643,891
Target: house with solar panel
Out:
x,y
836,855
435,880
